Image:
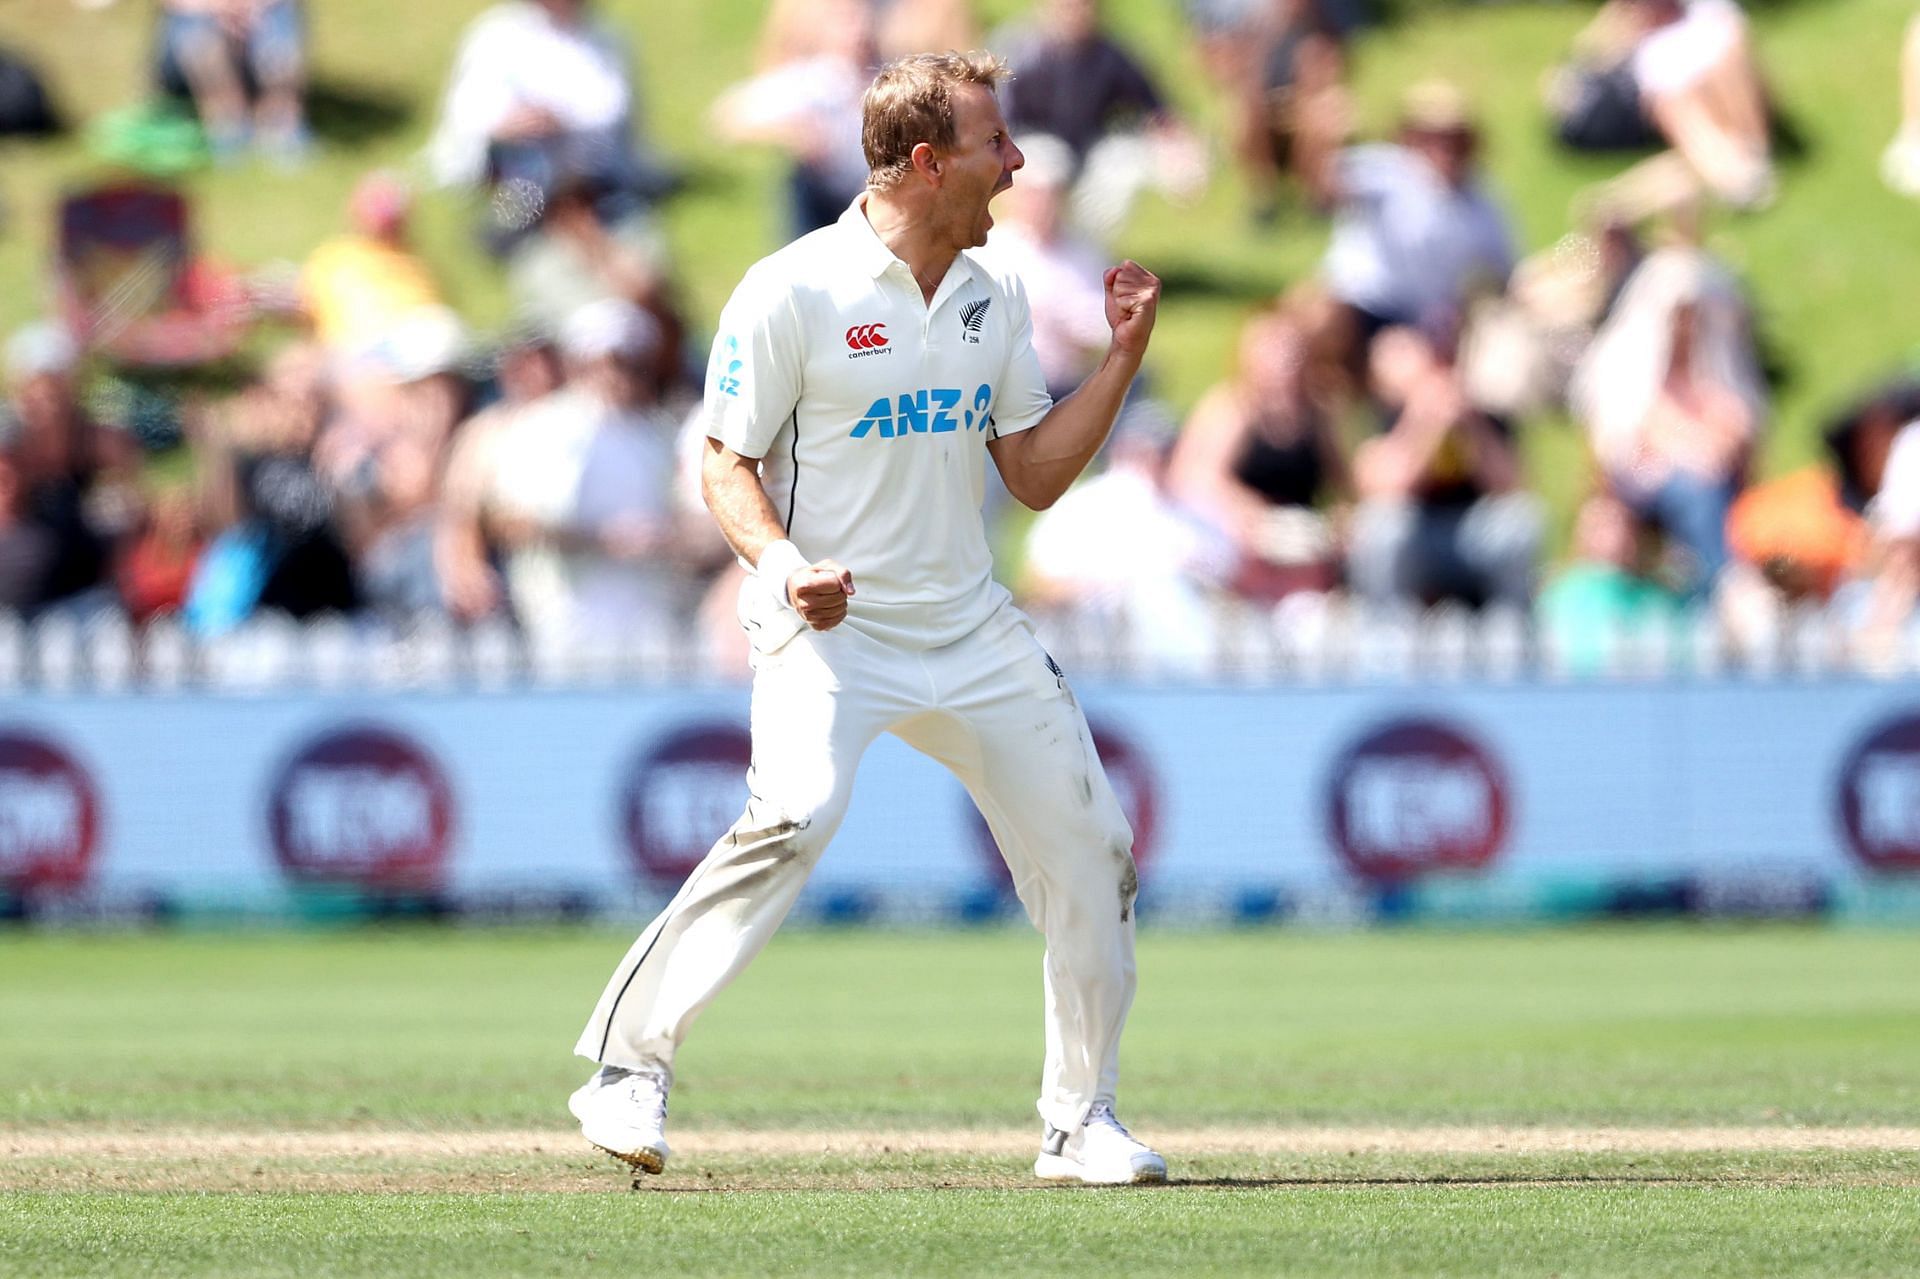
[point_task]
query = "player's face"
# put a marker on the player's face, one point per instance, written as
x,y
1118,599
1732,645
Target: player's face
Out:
x,y
981,164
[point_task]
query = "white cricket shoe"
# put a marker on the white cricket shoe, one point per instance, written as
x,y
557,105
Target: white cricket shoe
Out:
x,y
624,1112
1101,1152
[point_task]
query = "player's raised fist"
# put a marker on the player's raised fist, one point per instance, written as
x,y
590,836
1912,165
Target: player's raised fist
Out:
x,y
819,593
1133,297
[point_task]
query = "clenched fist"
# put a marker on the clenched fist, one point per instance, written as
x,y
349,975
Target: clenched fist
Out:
x,y
819,594
1133,297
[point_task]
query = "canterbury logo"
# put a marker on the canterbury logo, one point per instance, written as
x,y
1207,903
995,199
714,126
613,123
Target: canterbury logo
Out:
x,y
865,337
974,314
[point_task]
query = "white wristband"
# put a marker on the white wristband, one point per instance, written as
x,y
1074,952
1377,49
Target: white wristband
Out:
x,y
778,562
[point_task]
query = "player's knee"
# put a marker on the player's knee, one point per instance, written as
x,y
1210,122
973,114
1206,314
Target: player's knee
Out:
x,y
793,831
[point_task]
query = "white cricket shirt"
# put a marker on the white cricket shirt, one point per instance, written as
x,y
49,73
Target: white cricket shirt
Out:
x,y
870,410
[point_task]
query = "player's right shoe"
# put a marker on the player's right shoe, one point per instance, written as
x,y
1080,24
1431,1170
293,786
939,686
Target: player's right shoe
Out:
x,y
1101,1152
624,1112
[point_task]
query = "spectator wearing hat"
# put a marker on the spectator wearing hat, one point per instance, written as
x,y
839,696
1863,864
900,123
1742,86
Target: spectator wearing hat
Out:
x,y
581,494
1415,232
244,64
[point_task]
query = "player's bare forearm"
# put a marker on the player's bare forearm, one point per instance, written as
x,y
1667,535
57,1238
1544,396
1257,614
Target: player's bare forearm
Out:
x,y
731,486
1041,463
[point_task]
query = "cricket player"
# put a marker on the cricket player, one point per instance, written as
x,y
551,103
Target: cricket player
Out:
x,y
861,378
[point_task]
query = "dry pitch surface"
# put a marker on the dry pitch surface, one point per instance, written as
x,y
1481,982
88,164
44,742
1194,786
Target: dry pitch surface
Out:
x,y
404,1161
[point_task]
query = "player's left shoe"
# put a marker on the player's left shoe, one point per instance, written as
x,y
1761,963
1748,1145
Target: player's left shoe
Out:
x,y
624,1112
1101,1152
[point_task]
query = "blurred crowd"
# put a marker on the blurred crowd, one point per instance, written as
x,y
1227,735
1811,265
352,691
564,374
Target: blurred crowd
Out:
x,y
381,460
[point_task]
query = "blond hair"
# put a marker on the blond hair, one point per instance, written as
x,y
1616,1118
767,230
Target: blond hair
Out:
x,y
911,101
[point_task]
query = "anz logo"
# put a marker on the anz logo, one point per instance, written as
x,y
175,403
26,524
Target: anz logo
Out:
x,y
934,411
727,365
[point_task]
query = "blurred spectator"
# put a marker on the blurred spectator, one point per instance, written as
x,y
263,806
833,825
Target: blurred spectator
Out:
x,y
244,64
362,287
1894,516
1791,541
1119,546
279,546
1280,68
1520,348
465,560
795,30
582,492
76,475
1671,397
1259,456
1900,163
1414,231
394,566
1076,83
156,568
541,90
1442,514
1063,273
810,109
27,549
1608,590
1692,70
572,259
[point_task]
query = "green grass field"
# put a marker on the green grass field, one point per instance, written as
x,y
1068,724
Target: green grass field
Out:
x,y
1632,1101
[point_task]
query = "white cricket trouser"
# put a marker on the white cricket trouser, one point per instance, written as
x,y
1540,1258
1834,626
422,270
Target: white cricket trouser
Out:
x,y
992,709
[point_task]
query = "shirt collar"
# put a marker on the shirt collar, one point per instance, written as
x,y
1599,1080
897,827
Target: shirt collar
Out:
x,y
868,249
872,253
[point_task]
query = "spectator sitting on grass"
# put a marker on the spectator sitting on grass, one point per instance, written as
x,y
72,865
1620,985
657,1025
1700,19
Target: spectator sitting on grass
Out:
x,y
1442,514
244,65
1900,164
1119,546
1606,591
541,89
1258,457
582,495
279,545
1671,397
1074,82
811,109
360,288
78,476
1693,67
465,558
1415,233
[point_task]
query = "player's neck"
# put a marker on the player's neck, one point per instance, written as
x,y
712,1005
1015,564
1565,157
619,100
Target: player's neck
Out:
x,y
914,238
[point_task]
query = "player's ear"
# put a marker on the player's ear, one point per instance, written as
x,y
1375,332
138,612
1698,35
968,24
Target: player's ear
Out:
x,y
926,162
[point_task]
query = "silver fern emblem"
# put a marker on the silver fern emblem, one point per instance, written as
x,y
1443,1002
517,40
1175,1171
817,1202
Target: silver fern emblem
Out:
x,y
974,314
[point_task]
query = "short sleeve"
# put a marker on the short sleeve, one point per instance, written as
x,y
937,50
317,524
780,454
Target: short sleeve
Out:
x,y
1022,398
753,375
